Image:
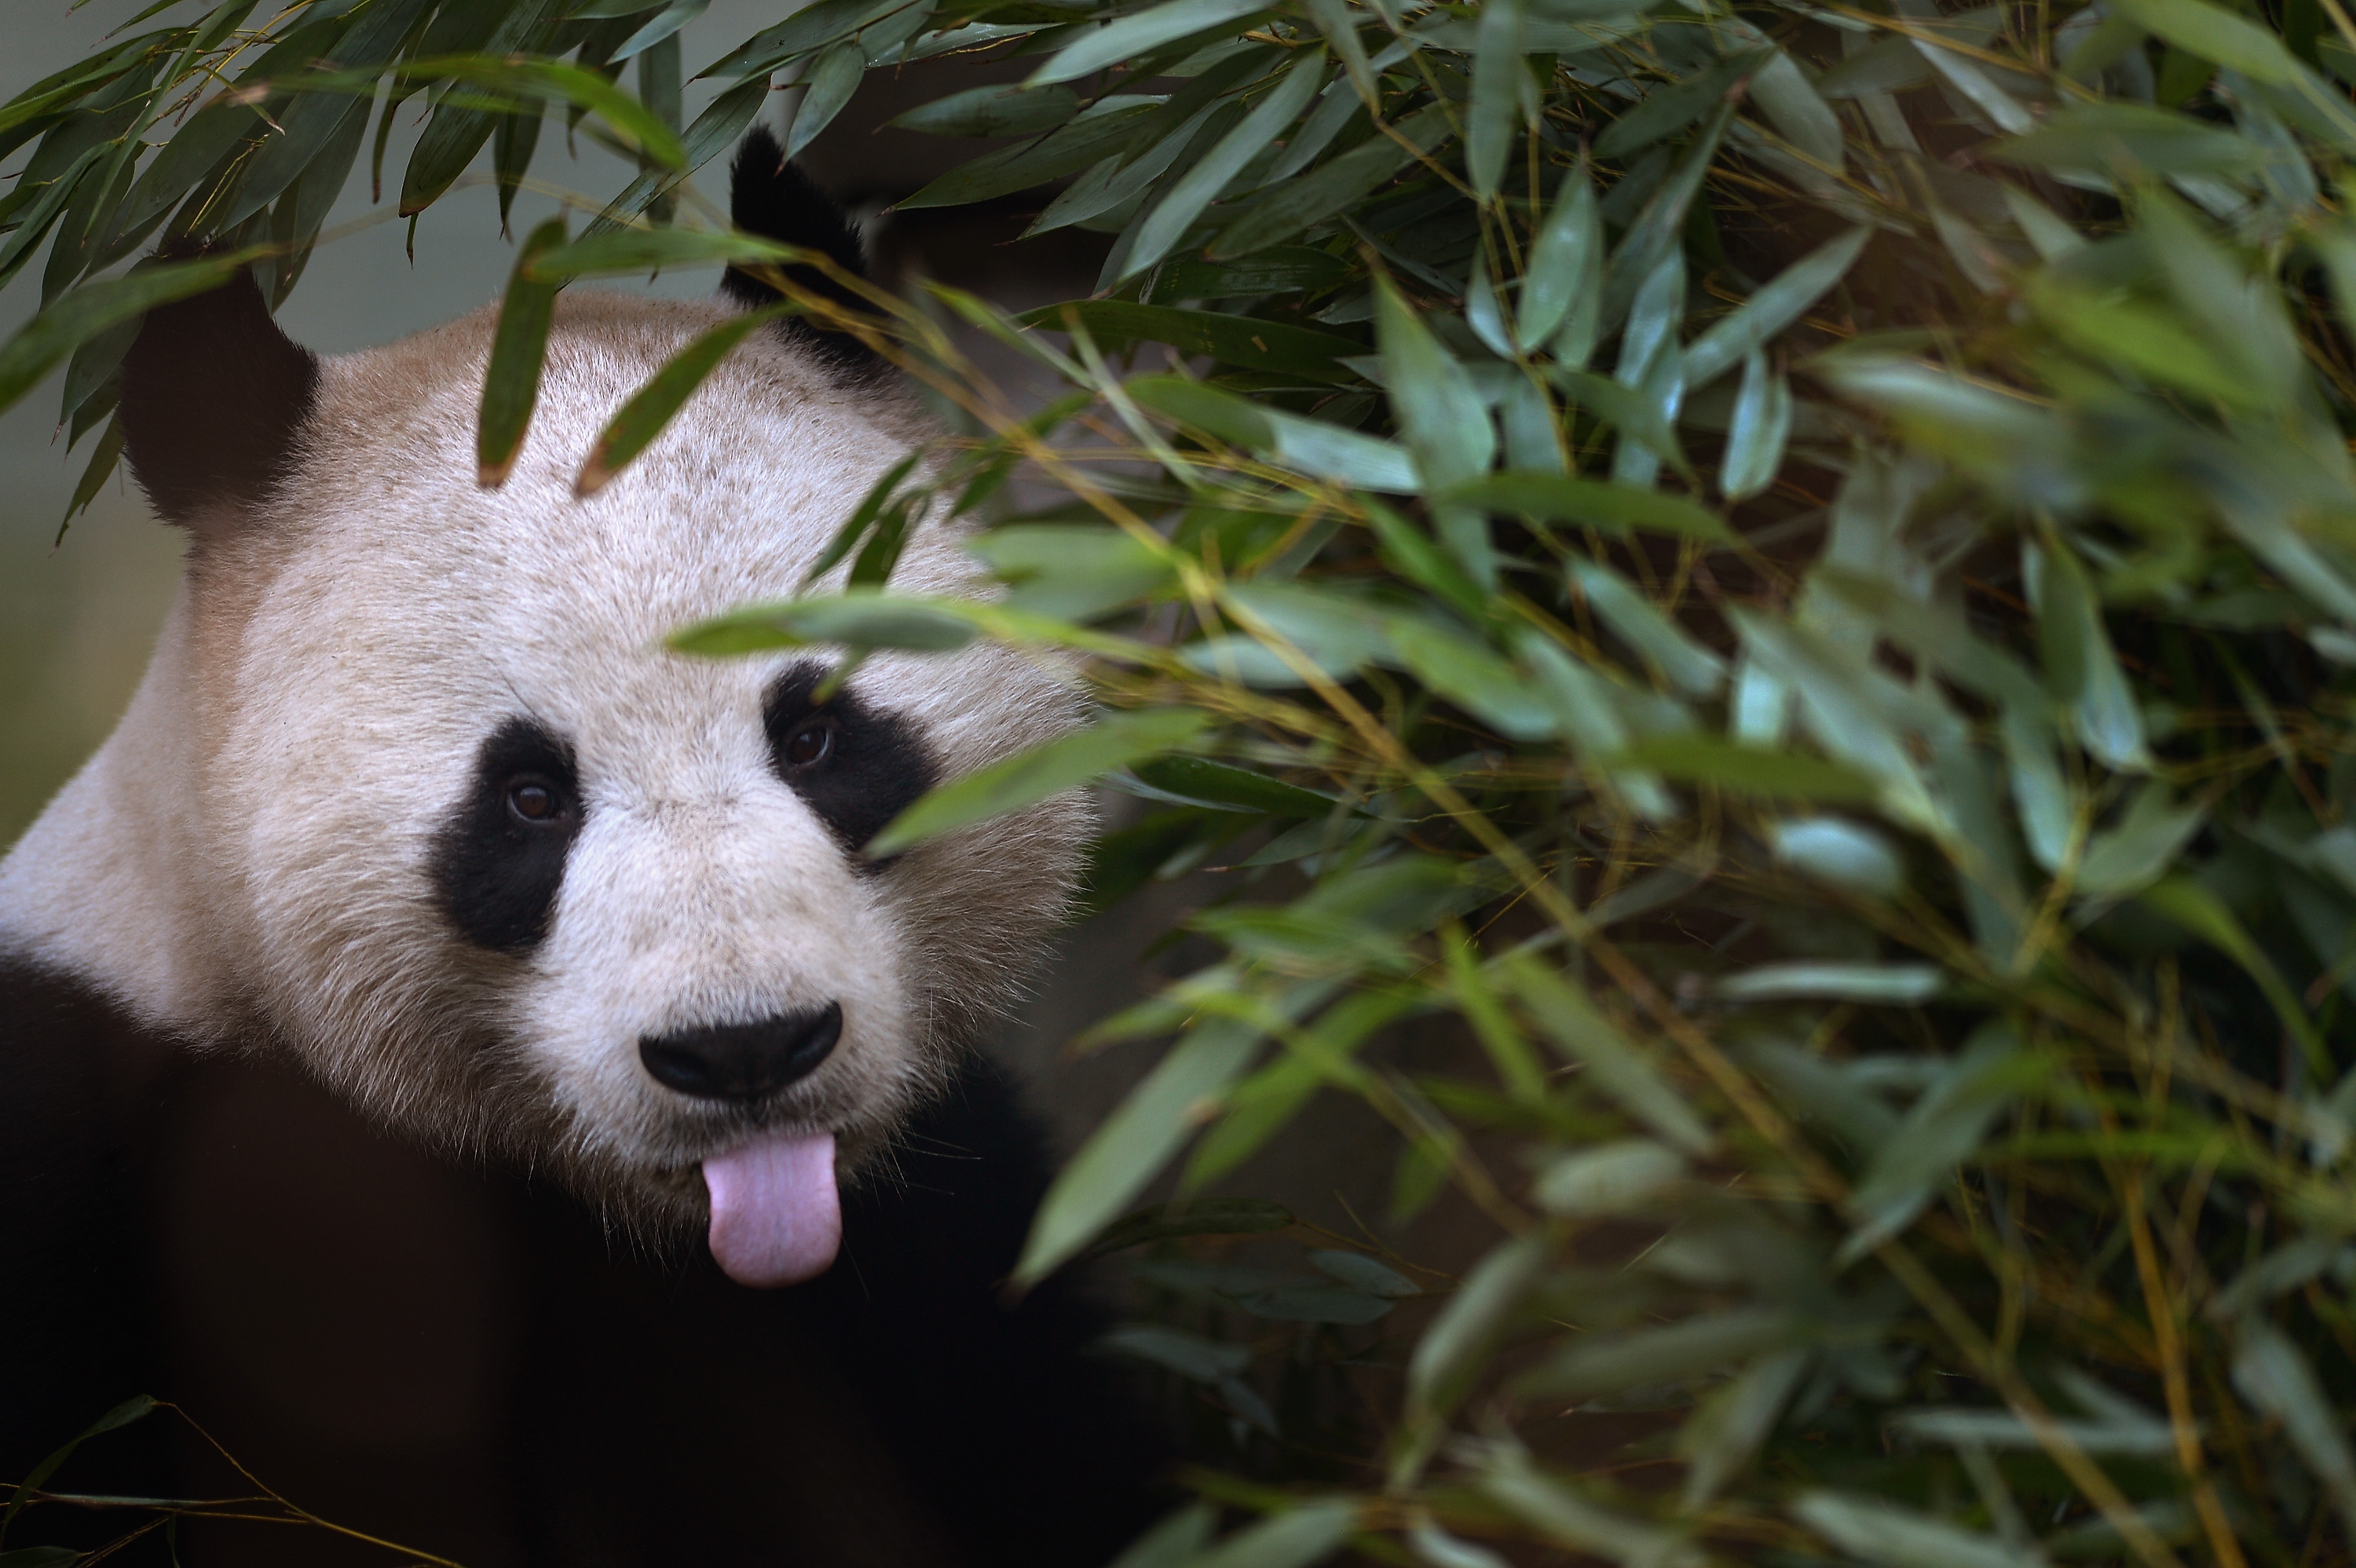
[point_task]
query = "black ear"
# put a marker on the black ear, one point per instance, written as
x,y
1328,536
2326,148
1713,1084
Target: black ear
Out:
x,y
214,396
772,198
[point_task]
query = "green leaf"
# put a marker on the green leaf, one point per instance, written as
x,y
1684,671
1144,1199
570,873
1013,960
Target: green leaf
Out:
x,y
1880,984
866,619
1446,422
122,1414
2139,851
1499,85
1221,783
1944,1129
1591,503
1639,418
1595,1365
1764,316
1129,1147
811,28
1305,445
103,457
1296,204
1639,623
1749,769
1896,1536
2118,138
1561,1515
1670,109
1137,33
1073,574
1756,436
1015,111
1566,268
519,346
714,132
833,76
1103,129
1191,1217
1241,340
1032,775
1614,1178
1659,227
313,121
1454,1348
37,347
1175,1542
1303,1533
1468,674
1846,854
1613,1064
1797,112
2144,339
638,420
2273,1375
2198,911
1184,201
2081,670
2216,34
1719,1439
1285,270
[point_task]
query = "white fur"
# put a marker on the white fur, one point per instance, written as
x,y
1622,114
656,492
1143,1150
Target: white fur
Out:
x,y
246,859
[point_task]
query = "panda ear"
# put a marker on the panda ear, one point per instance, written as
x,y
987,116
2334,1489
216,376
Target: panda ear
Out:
x,y
772,198
213,398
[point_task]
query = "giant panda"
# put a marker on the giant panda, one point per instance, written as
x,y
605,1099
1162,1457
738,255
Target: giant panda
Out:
x,y
455,1050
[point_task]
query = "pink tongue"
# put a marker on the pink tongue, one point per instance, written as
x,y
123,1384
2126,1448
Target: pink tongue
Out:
x,y
776,1218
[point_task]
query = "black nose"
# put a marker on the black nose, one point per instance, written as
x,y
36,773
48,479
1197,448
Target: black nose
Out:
x,y
743,1062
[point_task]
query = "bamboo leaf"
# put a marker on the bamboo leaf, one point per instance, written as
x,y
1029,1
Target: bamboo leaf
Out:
x,y
1494,113
1137,33
1282,212
1896,1536
1132,1143
1566,267
1763,316
1030,776
1760,426
1016,110
1940,1133
519,346
834,76
1583,1034
1185,200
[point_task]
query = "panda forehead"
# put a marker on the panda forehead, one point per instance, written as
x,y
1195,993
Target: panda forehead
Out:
x,y
388,532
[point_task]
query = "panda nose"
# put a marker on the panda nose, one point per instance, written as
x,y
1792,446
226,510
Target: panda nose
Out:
x,y
743,1062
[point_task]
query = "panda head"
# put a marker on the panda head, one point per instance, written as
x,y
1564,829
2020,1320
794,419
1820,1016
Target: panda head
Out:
x,y
446,819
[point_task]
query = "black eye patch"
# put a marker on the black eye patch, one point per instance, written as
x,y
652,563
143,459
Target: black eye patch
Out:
x,y
855,765
498,861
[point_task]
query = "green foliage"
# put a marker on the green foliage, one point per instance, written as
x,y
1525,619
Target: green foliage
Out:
x,y
1785,576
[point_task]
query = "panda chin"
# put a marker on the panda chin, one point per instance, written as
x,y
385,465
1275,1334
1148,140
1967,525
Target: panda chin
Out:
x,y
777,1216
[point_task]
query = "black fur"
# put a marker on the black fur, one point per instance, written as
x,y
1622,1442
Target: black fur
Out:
x,y
214,400
743,1062
221,1232
497,874
774,198
876,766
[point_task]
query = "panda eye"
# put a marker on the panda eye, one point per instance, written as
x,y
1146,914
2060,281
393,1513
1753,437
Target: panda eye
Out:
x,y
809,745
535,801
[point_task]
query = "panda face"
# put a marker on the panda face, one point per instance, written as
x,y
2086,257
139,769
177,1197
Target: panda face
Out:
x,y
461,831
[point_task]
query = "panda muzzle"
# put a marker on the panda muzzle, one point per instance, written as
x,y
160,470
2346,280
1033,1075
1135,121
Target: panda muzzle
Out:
x,y
777,1213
